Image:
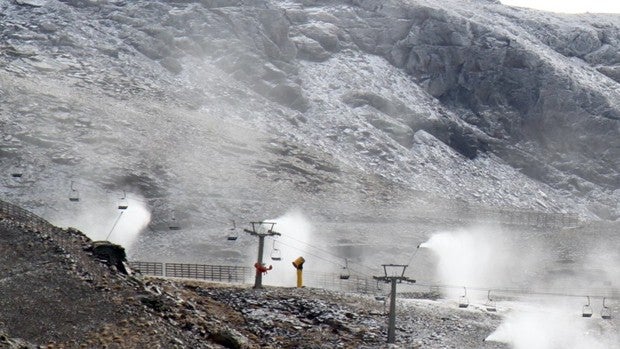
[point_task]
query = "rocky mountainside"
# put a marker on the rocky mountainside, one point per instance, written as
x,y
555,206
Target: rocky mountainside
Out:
x,y
352,111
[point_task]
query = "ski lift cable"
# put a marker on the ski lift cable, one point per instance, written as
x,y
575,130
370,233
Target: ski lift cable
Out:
x,y
329,253
125,196
311,246
312,254
373,270
517,291
326,260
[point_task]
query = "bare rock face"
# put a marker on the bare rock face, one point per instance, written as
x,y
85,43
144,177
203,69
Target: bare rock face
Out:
x,y
472,65
315,100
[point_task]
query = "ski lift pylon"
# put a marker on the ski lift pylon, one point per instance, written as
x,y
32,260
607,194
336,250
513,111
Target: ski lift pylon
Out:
x,y
276,254
606,311
586,311
344,274
74,195
463,301
232,232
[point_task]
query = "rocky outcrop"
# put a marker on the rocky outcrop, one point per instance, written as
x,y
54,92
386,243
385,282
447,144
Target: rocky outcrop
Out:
x,y
110,90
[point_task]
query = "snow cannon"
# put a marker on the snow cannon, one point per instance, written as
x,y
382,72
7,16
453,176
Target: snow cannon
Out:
x,y
299,265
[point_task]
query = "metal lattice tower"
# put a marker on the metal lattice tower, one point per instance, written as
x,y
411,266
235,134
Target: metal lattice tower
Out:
x,y
393,273
258,280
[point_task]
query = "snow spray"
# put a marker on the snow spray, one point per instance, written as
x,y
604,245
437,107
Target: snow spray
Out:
x,y
479,257
99,221
489,258
296,233
553,326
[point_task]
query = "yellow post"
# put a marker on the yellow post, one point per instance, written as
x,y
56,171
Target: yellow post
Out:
x,y
299,278
299,265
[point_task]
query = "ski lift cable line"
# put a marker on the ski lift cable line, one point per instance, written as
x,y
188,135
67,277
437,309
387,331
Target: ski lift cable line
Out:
x,y
327,260
328,253
311,246
105,200
509,290
307,244
331,255
312,254
145,200
373,270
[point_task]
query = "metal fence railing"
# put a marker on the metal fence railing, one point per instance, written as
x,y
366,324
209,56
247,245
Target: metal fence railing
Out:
x,y
227,273
224,273
13,215
148,268
22,217
239,274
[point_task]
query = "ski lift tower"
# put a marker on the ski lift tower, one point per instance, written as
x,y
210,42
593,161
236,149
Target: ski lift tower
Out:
x,y
393,273
261,233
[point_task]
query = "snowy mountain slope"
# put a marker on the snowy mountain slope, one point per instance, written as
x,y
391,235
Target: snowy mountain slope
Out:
x,y
219,110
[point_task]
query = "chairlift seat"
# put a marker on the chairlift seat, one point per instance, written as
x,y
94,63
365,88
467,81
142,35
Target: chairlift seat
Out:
x,y
74,195
380,298
586,311
490,304
491,307
276,255
173,224
231,238
606,314
16,175
345,274
463,302
123,203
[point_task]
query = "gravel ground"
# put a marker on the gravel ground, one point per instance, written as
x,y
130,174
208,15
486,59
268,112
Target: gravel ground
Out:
x,y
55,294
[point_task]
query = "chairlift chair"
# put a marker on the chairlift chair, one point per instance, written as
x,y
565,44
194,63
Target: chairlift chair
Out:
x,y
17,171
232,234
379,296
122,203
345,274
74,195
490,305
586,311
464,301
276,254
606,311
173,224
